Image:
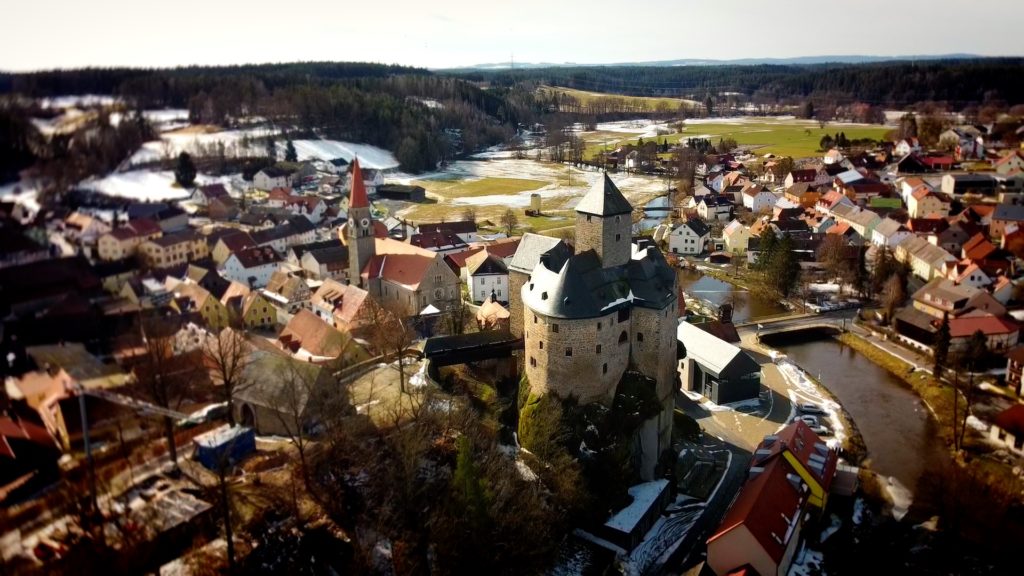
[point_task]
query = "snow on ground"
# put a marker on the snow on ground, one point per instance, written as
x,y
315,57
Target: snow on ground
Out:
x,y
78,100
834,524
858,511
369,156
900,495
645,128
807,563
26,196
977,424
806,390
824,287
146,185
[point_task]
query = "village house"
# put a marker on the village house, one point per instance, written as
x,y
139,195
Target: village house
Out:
x,y
324,263
312,207
122,242
190,297
204,195
267,406
802,194
297,230
926,260
763,527
173,250
1006,215
288,292
689,238
225,209
907,185
757,198
487,277
84,229
465,230
965,141
807,454
1015,371
251,266
951,238
715,208
1008,428
736,235
346,307
889,233
805,176
372,179
924,203
957,185
1010,162
310,338
282,175
909,145
830,201
229,242
716,369
439,242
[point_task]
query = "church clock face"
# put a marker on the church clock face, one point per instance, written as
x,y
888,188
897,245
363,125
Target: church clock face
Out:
x,y
365,223
352,222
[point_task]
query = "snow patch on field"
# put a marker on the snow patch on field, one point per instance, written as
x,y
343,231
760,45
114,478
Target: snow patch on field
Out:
x,y
77,101
369,156
146,185
25,196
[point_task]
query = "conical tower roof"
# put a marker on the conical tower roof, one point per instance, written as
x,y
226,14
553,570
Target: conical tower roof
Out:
x,y
604,199
357,196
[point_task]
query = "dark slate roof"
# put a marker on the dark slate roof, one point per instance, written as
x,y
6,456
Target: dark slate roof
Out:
x,y
465,342
578,287
716,200
698,226
1009,212
530,249
333,255
301,249
604,199
452,227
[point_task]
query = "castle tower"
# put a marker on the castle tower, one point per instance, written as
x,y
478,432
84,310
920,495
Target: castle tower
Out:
x,y
603,223
358,232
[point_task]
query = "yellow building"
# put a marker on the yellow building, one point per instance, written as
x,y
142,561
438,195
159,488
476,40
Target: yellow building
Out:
x,y
122,242
173,250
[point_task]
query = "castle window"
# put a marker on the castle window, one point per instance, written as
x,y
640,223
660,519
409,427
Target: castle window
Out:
x,y
533,361
623,314
534,318
617,218
543,295
639,336
541,344
618,237
568,351
588,217
598,349
598,325
554,328
604,369
623,337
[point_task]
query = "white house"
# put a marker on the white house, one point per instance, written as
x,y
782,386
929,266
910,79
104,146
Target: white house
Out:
x,y
372,179
251,267
487,273
270,178
907,146
715,208
758,199
690,237
889,233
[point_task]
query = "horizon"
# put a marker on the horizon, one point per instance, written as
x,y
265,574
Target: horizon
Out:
x,y
460,34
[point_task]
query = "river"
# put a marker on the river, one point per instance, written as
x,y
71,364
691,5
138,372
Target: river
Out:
x,y
900,436
746,306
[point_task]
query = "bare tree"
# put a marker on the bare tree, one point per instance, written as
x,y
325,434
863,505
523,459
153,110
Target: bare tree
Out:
x,y
469,214
509,220
226,355
389,334
893,295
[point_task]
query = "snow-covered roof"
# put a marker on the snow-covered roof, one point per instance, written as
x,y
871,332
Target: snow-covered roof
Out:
x,y
644,496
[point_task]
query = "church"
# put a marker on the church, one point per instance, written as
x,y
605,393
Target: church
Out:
x,y
402,277
590,313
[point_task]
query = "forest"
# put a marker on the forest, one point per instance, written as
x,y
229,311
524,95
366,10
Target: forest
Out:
x,y
895,84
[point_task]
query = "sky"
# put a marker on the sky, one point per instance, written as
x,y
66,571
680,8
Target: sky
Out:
x,y
45,34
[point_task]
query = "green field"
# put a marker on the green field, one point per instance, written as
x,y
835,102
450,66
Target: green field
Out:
x,y
462,188
648,103
796,138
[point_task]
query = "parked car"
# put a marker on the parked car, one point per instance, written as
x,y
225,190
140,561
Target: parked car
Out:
x,y
811,421
810,408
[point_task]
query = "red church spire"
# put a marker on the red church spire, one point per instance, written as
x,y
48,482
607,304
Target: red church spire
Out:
x,y
357,198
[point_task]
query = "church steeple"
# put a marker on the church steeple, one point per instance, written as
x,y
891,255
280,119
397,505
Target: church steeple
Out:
x,y
358,233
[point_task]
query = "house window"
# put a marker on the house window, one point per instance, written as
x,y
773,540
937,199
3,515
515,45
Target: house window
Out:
x,y
554,328
437,279
499,293
568,351
598,351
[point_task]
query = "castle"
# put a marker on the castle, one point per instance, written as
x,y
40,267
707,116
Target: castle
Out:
x,y
588,314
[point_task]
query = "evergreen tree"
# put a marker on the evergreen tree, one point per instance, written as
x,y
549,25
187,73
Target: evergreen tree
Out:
x,y
784,268
709,106
290,154
826,143
185,172
766,249
941,353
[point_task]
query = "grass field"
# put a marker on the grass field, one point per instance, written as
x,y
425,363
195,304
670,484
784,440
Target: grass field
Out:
x,y
790,137
649,103
462,188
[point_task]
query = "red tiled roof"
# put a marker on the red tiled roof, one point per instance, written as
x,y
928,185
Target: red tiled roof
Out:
x,y
357,197
1008,157
21,430
457,260
965,326
766,503
405,269
978,247
1012,420
804,175
798,439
